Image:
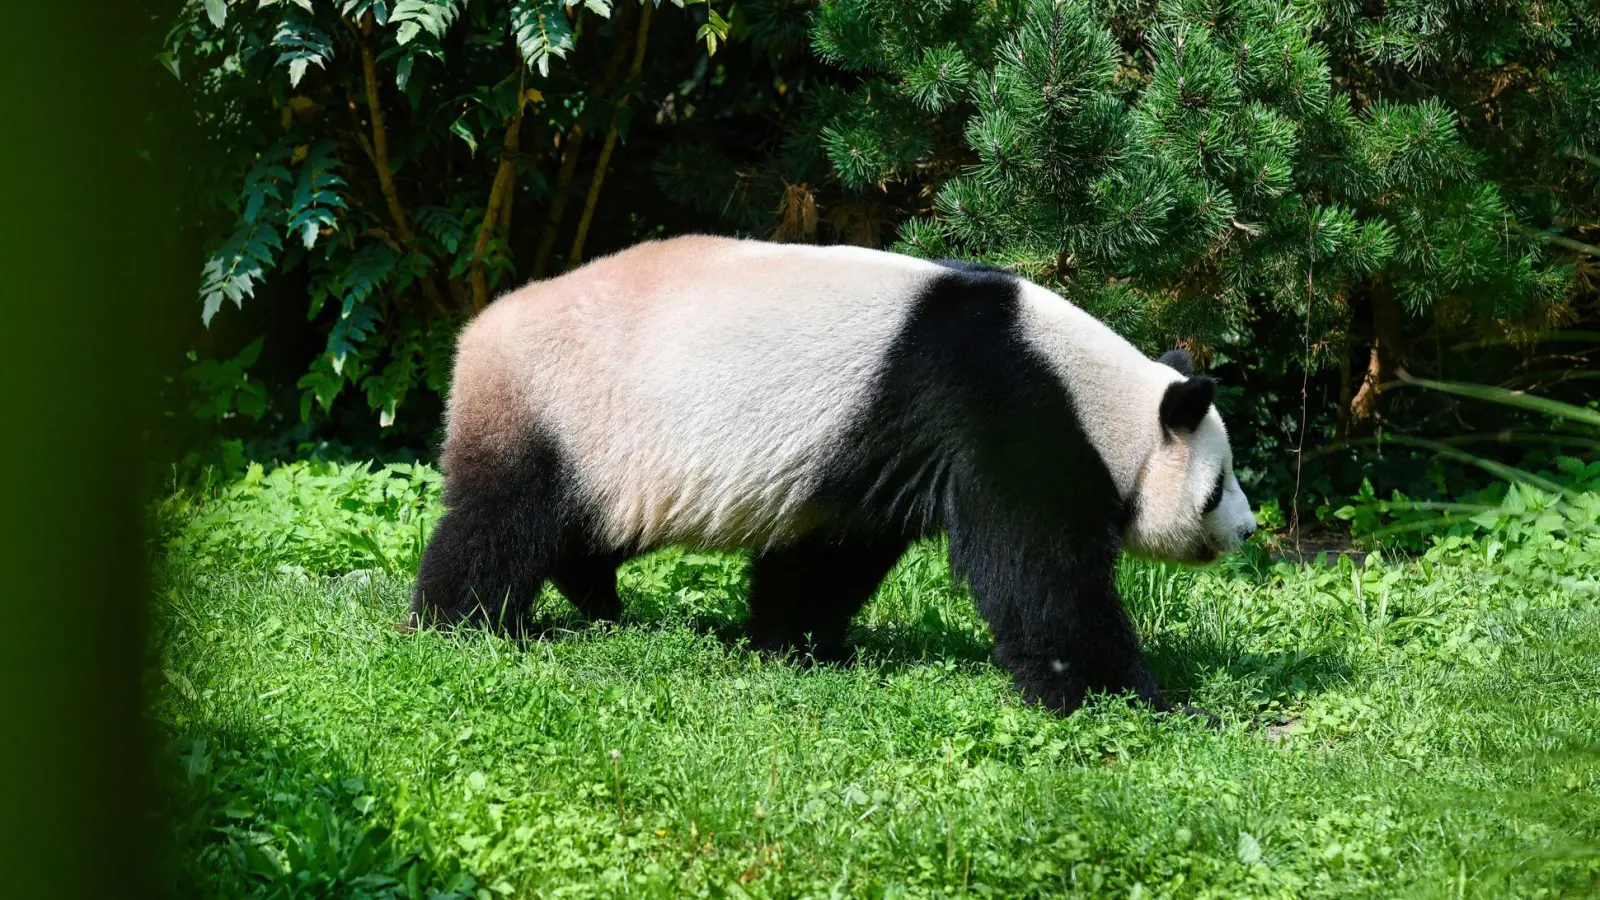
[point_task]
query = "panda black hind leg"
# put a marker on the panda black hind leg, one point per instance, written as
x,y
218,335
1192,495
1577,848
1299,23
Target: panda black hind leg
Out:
x,y
803,597
497,542
589,582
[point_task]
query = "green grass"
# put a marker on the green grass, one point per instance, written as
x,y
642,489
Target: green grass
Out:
x,y
1425,728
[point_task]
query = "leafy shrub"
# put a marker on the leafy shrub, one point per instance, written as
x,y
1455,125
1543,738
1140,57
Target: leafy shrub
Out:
x,y
1544,518
381,169
317,517
1554,528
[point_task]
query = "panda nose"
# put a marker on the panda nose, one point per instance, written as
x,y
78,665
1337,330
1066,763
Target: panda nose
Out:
x,y
1247,530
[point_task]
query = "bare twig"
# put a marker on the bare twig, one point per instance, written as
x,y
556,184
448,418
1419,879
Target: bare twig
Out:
x,y
1305,383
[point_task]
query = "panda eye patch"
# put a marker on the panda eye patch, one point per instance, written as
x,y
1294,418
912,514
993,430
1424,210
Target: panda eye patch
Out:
x,y
1215,499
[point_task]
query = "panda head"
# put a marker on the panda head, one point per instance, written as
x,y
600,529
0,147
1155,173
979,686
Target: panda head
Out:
x,y
1188,506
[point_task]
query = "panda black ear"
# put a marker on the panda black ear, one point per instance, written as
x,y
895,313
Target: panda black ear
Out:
x,y
1179,360
1184,405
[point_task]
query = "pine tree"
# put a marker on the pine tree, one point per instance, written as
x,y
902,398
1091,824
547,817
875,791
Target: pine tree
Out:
x,y
1193,170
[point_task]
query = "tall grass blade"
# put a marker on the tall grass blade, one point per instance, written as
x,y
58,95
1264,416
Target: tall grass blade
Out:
x,y
1508,398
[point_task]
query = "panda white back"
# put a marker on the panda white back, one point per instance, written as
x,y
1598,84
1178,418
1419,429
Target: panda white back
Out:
x,y
697,384
700,386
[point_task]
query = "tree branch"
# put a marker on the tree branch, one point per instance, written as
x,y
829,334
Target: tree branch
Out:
x,y
499,206
570,152
380,161
1385,356
1558,240
575,255
380,145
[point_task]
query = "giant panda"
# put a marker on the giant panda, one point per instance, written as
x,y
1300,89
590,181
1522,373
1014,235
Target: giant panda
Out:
x,y
823,407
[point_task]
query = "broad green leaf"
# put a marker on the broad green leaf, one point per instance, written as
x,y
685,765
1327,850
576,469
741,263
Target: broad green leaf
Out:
x,y
541,31
212,303
252,352
459,129
217,12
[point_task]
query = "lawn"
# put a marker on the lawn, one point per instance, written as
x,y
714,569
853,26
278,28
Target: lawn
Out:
x,y
1403,727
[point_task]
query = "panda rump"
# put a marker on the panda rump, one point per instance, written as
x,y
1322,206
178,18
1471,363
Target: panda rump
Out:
x,y
822,407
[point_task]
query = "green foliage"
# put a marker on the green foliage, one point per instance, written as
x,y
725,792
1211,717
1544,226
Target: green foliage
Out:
x,y
223,387
352,146
1188,170
314,202
313,517
1538,532
241,262
1267,182
1392,727
1542,521
1281,187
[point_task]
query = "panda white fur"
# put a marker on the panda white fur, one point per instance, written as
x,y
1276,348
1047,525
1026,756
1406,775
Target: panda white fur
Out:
x,y
824,407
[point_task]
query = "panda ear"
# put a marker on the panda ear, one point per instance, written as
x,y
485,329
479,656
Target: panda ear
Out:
x,y
1179,360
1184,405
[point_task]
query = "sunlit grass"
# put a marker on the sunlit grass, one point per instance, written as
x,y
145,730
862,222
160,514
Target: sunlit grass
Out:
x,y
1424,729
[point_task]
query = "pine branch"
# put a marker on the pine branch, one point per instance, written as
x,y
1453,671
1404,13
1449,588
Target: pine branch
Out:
x,y
575,255
1558,240
499,206
1589,158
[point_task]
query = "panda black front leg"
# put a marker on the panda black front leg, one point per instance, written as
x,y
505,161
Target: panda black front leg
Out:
x,y
1059,626
803,597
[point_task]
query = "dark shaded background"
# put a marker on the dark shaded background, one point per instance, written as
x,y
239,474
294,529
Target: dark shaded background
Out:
x,y
83,273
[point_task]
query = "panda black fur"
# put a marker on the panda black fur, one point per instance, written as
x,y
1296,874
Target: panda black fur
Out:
x,y
825,407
